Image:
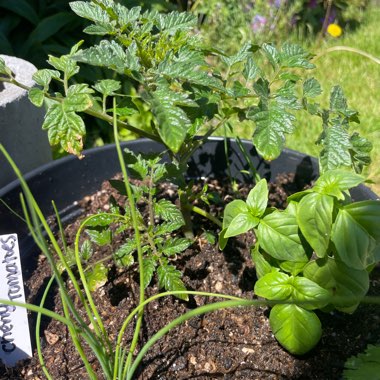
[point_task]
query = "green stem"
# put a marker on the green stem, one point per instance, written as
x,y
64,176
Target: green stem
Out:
x,y
147,301
135,223
38,330
190,314
76,341
348,49
206,214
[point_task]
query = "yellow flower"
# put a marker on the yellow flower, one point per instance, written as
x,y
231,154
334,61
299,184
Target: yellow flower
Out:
x,y
334,30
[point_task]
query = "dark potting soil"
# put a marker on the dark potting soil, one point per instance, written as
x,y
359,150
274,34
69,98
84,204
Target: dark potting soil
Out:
x,y
226,344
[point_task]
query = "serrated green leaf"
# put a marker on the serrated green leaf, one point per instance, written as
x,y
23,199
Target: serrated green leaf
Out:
x,y
336,148
97,276
354,245
172,121
286,96
360,152
123,255
261,88
271,126
90,11
107,86
250,70
149,265
127,16
168,227
278,235
289,76
314,217
86,250
272,54
175,21
77,103
365,365
238,90
65,64
257,199
36,96
101,220
334,182
297,329
64,128
311,88
240,56
168,211
100,236
101,29
175,245
293,55
240,224
111,55
188,67
170,279
338,101
43,77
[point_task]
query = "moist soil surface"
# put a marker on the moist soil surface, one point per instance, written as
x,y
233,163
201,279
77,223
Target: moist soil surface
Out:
x,y
226,344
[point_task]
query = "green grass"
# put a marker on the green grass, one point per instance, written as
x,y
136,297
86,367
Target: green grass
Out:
x,y
360,79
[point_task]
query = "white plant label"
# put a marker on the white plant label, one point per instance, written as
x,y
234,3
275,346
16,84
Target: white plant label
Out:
x,y
14,327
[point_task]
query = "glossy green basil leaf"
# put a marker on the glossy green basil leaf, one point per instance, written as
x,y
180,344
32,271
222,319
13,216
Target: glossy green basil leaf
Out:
x,y
333,182
354,245
257,199
293,267
232,210
274,286
347,285
309,293
278,235
367,214
262,265
241,223
314,217
296,329
278,286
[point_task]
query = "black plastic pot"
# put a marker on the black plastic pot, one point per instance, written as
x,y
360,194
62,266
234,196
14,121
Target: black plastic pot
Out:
x,y
69,179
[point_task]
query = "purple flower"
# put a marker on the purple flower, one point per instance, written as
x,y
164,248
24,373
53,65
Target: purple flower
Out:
x,y
276,3
258,23
313,4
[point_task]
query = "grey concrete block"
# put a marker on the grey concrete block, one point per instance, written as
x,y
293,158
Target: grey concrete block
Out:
x,y
20,123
